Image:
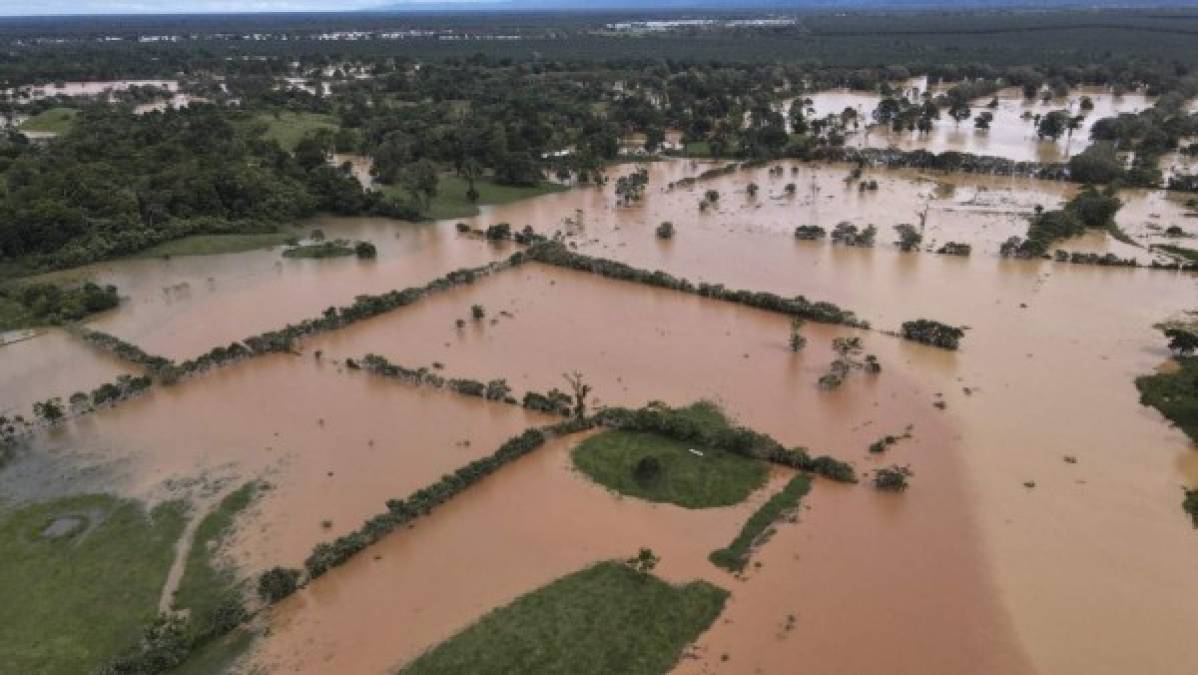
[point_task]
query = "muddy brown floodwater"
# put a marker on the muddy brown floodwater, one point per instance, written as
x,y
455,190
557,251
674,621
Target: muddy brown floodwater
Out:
x,y
184,306
1093,564
333,445
679,348
1010,135
532,522
1089,571
52,363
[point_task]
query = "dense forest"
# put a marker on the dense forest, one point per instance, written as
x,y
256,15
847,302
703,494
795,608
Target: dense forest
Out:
x,y
253,150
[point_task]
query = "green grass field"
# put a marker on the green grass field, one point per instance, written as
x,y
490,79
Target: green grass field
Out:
x,y
289,127
450,200
56,120
604,619
718,478
69,604
1175,395
205,580
785,501
324,249
213,244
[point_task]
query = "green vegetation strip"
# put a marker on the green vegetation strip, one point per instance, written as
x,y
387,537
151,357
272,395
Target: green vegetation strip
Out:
x,y
71,602
1174,394
213,244
660,469
326,249
555,253
209,637
451,200
208,587
1189,254
605,619
757,527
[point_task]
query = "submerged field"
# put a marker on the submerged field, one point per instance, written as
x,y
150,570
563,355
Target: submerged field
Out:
x,y
1028,447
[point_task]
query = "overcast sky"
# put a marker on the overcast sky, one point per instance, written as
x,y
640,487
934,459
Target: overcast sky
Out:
x,y
42,7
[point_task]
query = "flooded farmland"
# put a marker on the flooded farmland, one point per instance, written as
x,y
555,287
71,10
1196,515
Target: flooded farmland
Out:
x,y
1012,133
48,363
183,306
746,367
982,572
333,446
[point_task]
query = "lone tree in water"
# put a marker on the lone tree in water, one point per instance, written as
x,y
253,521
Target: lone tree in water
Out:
x,y
797,341
581,391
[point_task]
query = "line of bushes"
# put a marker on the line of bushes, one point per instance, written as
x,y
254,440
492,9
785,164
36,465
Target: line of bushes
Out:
x,y
1102,260
422,502
655,418
758,527
555,253
555,401
363,307
948,161
680,425
724,170
128,351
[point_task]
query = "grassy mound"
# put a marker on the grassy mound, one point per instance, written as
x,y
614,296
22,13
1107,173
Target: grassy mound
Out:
x,y
660,469
72,601
758,526
604,619
1174,394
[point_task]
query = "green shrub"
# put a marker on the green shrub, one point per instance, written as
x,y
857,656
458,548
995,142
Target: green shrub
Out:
x,y
277,583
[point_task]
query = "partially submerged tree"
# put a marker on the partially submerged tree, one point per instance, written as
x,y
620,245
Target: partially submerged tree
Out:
x,y
909,237
893,479
581,390
797,341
